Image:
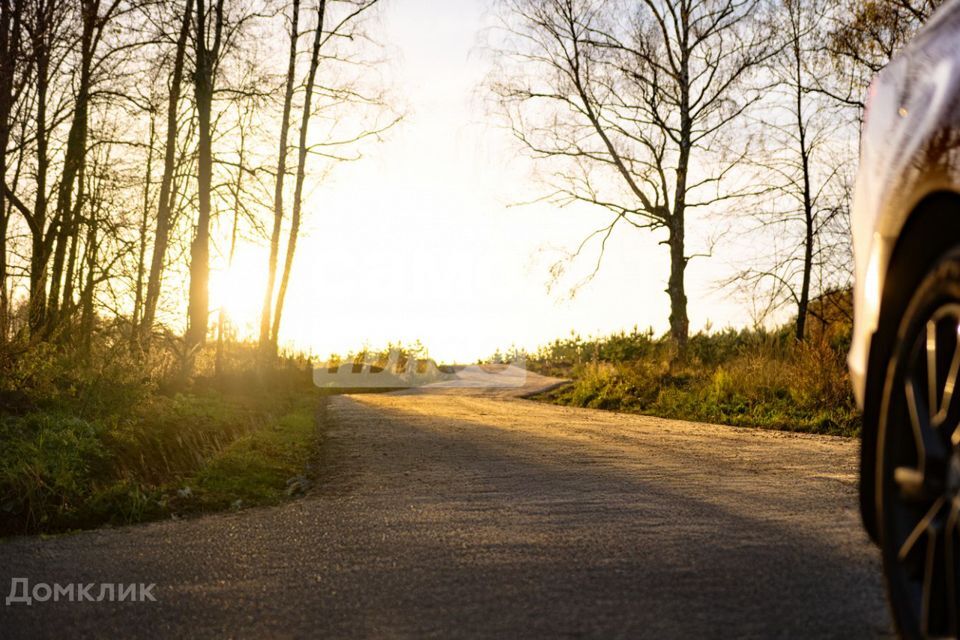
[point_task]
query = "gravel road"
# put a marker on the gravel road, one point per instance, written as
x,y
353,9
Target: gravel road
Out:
x,y
483,515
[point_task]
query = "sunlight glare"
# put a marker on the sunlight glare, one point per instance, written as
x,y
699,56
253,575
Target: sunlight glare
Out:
x,y
236,290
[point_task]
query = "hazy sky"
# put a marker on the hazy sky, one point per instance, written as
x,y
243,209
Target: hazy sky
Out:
x,y
418,241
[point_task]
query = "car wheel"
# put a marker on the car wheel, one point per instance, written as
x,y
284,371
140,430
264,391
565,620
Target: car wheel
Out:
x,y
918,470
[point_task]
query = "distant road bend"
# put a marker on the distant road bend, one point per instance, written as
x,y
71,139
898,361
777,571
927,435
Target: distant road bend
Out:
x,y
477,514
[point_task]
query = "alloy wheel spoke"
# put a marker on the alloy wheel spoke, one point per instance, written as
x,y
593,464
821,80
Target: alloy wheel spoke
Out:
x,y
930,445
910,481
922,527
949,387
944,408
931,352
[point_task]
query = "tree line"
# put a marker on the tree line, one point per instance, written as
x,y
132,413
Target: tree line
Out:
x,y
137,136
131,130
652,111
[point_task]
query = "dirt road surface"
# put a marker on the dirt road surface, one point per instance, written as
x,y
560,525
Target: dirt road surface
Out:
x,y
478,514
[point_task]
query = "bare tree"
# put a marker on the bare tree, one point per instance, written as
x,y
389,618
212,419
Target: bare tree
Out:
x,y
265,341
12,80
91,25
60,34
166,196
301,171
807,136
43,23
99,195
863,37
831,52
88,166
206,53
629,104
345,26
144,222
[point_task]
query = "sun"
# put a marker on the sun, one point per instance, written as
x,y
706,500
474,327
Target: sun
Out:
x,y
239,291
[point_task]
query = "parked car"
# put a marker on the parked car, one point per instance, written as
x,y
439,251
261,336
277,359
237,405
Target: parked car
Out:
x,y
905,355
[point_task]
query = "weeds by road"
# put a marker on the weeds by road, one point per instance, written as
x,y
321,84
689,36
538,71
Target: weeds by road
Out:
x,y
741,378
112,442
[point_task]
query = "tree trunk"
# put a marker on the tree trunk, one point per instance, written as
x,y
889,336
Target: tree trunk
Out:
x,y
142,249
4,302
39,239
804,302
164,199
679,322
268,346
38,253
67,306
301,172
73,159
808,214
9,56
87,319
199,304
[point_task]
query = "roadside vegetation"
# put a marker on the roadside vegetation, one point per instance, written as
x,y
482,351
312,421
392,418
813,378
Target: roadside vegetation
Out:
x,y
115,440
124,228
752,378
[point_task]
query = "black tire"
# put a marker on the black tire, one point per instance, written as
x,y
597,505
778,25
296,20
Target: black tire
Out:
x,y
918,464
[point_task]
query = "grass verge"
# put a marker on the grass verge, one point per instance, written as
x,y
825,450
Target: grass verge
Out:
x,y
181,455
101,444
262,467
739,378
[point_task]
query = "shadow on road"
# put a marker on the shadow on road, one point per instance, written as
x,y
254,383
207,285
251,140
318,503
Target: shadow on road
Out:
x,y
471,517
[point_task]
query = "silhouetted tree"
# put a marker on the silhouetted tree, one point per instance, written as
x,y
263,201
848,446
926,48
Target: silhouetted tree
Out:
x,y
337,22
13,75
265,318
629,102
808,137
166,196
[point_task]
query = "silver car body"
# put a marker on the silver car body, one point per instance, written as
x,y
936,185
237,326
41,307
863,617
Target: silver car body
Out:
x,y
910,149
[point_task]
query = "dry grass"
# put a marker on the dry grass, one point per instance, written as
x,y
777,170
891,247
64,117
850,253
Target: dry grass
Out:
x,y
740,378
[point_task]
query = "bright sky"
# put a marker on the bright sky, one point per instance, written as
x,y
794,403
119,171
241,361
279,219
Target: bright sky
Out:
x,y
418,241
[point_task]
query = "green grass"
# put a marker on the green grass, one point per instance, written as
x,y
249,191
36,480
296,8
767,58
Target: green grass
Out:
x,y
180,455
739,378
84,444
255,468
